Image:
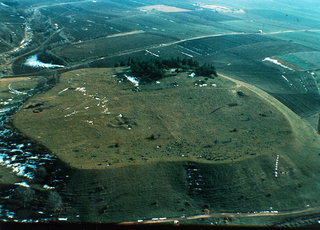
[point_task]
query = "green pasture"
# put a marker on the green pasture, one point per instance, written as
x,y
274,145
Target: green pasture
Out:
x,y
303,60
306,38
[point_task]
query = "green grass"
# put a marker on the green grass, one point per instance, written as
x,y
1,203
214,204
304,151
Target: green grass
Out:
x,y
209,45
178,26
309,39
101,47
253,25
80,24
303,60
284,18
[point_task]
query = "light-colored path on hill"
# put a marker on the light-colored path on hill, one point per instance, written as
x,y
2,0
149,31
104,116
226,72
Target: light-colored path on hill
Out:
x,y
238,33
162,220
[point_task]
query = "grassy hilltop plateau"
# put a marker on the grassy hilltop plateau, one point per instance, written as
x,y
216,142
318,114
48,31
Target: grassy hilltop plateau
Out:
x,y
145,111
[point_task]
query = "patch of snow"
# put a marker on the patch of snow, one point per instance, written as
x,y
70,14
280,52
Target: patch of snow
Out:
x,y
14,91
10,214
5,110
33,61
2,4
62,218
221,9
133,80
64,90
23,184
276,168
48,187
89,122
274,61
4,103
149,52
284,78
70,114
189,55
106,111
81,89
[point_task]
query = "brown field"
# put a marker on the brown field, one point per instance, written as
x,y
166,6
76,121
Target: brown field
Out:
x,y
175,150
99,122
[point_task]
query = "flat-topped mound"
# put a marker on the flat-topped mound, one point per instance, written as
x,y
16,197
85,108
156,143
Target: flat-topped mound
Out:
x,y
93,121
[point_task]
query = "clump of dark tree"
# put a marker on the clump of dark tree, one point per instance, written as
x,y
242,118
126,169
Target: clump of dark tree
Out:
x,y
147,71
155,69
206,70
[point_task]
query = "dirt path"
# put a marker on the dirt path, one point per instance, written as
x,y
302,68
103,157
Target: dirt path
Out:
x,y
291,31
61,4
234,33
301,128
222,215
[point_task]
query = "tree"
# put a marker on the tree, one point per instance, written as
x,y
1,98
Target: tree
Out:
x,y
206,70
154,69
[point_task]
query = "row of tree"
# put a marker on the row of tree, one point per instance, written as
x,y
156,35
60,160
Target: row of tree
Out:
x,y
155,69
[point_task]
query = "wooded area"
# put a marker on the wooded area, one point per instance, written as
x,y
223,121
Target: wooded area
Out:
x,y
155,69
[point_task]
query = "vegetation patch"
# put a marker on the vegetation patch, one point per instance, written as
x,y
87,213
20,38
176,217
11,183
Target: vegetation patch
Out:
x,y
155,69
